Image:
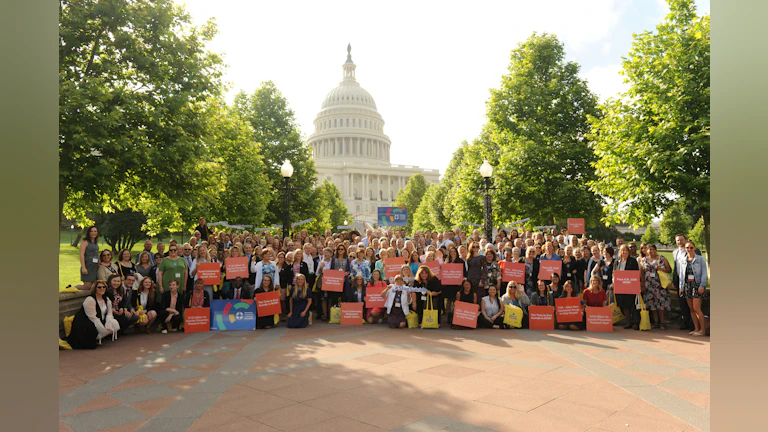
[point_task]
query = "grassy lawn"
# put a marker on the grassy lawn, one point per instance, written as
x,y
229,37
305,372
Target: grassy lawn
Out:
x,y
69,257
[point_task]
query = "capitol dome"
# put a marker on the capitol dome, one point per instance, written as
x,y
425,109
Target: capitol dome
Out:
x,y
348,127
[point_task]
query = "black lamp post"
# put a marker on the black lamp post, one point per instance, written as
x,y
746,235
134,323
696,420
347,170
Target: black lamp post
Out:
x,y
486,170
287,172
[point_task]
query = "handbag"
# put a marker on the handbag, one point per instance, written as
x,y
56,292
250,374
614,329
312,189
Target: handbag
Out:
x,y
513,316
429,321
617,315
412,319
645,316
68,325
335,315
665,279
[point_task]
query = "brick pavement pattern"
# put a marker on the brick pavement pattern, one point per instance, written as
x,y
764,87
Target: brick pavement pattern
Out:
x,y
372,378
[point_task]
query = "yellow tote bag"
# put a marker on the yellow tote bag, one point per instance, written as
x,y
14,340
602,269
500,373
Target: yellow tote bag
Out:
x,y
429,321
666,279
412,319
617,315
513,316
335,315
68,324
645,316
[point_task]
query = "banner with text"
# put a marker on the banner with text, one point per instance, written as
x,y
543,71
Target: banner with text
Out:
x,y
547,267
233,315
268,303
392,216
568,309
197,320
236,267
541,317
512,272
210,273
333,280
351,313
465,314
600,319
373,298
575,225
453,274
393,265
626,281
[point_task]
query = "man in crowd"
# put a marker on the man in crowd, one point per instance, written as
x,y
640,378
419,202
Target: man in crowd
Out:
x,y
148,249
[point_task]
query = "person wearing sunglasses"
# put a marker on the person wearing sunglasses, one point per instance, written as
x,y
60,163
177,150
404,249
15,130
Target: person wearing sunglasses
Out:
x,y
106,268
692,276
477,269
171,268
94,320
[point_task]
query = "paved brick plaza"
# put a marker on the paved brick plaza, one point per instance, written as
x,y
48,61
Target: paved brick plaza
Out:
x,y
371,378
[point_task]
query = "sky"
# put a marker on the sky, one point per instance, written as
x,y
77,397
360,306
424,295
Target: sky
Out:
x,y
429,65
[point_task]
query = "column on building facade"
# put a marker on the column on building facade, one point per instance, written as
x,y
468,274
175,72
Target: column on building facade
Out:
x,y
366,196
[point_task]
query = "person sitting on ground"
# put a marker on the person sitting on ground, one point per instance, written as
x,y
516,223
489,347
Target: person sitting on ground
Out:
x,y
300,304
94,320
568,292
516,296
397,303
239,291
466,294
267,285
198,297
376,314
491,311
172,307
144,301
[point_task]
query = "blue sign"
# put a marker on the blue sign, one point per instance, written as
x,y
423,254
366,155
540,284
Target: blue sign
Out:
x,y
233,315
392,216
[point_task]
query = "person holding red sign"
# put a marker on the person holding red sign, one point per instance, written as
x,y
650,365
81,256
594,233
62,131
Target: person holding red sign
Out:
x,y
569,292
265,267
340,261
627,301
202,257
267,285
466,294
397,303
377,313
300,304
426,279
450,291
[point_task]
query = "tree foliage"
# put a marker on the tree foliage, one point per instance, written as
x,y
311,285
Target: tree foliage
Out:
x,y
275,128
135,81
674,221
121,229
330,210
696,234
653,142
411,195
651,236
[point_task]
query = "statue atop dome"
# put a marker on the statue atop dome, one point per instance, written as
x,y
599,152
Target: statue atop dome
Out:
x,y
349,53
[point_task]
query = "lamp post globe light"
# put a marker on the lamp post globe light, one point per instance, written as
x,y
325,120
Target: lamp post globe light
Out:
x,y
287,172
486,170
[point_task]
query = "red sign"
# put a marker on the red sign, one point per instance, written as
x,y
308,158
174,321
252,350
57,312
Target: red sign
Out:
x,y
210,273
373,298
333,280
453,274
599,319
512,272
268,303
575,225
465,314
541,317
626,281
392,266
568,309
197,320
236,267
547,267
351,313
434,265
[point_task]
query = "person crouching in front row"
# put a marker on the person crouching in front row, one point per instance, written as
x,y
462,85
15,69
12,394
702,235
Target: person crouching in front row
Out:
x,y
397,303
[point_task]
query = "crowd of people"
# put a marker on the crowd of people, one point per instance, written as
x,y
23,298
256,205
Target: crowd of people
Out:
x,y
149,291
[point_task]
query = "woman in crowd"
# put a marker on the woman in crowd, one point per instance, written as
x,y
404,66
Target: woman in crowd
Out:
x,y
144,301
692,274
357,290
656,297
450,291
201,258
627,301
267,285
595,295
549,254
172,305
94,320
477,269
516,296
360,267
320,296
604,267
426,279
284,268
491,310
89,258
570,268
397,302
531,271
340,261
466,294
370,256
106,268
144,264
198,297
543,295
568,292
124,265
300,303
265,267
494,273
116,293
414,262
376,314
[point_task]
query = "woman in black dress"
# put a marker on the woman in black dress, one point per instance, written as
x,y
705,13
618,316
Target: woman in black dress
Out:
x,y
300,303
477,269
89,258
627,301
92,321
450,291
268,321
466,294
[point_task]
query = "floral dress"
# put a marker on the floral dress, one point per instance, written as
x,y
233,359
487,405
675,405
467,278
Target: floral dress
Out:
x,y
656,297
494,275
360,268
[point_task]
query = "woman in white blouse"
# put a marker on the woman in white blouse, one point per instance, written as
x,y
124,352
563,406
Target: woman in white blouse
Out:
x,y
94,320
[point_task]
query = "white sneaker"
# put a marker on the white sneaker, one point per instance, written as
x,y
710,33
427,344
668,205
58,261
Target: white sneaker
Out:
x,y
164,331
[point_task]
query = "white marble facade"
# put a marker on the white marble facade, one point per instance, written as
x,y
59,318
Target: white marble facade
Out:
x,y
351,150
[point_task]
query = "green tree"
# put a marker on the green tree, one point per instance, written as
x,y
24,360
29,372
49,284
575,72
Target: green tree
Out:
x,y
121,229
674,221
410,197
331,210
274,125
651,236
653,142
135,81
429,214
696,234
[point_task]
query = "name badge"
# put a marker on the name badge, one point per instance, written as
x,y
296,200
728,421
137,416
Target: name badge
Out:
x,y
95,260
178,275
652,274
423,298
397,304
690,278
605,277
568,274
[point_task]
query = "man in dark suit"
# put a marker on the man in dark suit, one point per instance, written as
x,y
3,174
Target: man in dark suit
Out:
x,y
238,291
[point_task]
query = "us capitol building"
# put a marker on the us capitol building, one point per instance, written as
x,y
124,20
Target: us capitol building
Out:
x,y
351,150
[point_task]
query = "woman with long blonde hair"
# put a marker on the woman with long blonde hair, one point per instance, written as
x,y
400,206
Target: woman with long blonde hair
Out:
x,y
300,304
